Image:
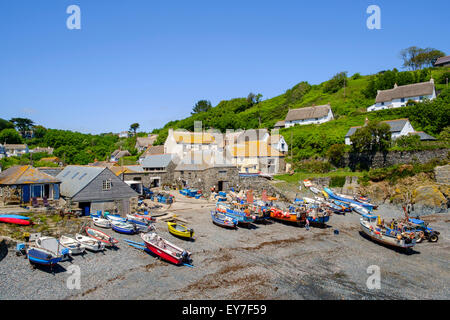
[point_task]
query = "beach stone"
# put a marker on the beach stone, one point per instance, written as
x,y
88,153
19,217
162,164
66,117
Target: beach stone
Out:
x,y
442,174
429,200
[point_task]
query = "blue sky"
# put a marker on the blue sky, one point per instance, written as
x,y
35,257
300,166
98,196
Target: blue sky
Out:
x,y
149,61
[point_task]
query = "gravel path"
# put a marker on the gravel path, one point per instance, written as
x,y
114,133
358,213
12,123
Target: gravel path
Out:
x,y
271,261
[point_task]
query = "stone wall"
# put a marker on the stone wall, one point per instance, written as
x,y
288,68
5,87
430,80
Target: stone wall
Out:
x,y
442,174
396,157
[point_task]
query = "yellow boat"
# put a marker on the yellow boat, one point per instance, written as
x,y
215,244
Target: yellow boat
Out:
x,y
180,230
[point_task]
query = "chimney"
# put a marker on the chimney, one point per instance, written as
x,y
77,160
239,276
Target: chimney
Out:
x,y
432,80
366,121
395,85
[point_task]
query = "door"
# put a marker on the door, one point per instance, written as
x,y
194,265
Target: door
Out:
x,y
26,193
220,185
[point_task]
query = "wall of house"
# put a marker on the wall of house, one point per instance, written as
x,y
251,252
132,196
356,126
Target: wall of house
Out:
x,y
398,103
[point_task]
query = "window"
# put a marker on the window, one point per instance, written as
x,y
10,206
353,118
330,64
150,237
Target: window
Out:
x,y
403,100
107,185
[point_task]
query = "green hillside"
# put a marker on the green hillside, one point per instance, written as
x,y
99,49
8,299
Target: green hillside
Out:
x,y
349,106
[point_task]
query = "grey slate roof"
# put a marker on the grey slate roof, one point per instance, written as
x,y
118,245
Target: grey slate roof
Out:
x,y
308,113
394,125
407,91
157,161
75,178
442,60
424,136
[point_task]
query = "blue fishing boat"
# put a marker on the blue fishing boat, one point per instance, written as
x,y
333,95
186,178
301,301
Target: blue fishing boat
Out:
x,y
241,217
123,227
223,220
332,195
318,220
43,256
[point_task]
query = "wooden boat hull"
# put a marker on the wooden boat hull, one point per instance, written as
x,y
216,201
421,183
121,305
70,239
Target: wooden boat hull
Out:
x,y
163,254
102,223
90,244
74,246
186,233
383,239
123,229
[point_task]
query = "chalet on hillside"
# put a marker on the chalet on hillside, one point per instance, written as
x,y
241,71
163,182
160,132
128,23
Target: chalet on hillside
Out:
x,y
398,128
309,115
95,188
400,95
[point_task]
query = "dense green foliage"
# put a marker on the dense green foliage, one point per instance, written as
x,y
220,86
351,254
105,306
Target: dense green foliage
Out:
x,y
5,124
10,136
371,138
416,58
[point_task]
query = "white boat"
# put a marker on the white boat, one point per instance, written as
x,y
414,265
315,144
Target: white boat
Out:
x,y
359,209
53,245
112,218
311,201
314,190
74,246
89,243
399,238
102,223
123,227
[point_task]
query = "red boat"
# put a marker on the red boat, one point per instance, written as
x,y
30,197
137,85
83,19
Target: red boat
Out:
x,y
101,236
16,221
164,249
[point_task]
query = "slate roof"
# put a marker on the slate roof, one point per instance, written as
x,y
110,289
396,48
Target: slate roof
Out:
x,y
442,60
407,91
308,113
19,175
157,161
394,125
424,136
75,178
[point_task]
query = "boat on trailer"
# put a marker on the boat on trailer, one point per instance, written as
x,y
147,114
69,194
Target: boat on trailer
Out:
x,y
165,250
101,236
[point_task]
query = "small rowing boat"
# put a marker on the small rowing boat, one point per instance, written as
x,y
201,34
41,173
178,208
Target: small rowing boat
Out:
x,y
101,236
42,256
52,245
222,220
164,249
89,243
102,223
17,221
123,227
74,246
180,230
14,216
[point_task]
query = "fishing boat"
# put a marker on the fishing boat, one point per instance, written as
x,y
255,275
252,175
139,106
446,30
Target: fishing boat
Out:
x,y
42,256
332,195
140,218
286,216
314,190
17,221
318,216
54,246
101,236
164,249
222,220
400,237
242,217
359,209
142,226
335,208
90,243
102,223
115,218
74,246
123,227
180,230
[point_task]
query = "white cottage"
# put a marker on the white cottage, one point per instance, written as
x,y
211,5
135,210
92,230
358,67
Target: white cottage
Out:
x,y
399,127
309,115
400,95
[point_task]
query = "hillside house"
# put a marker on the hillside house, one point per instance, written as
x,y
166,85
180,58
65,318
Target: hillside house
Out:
x,y
398,128
309,115
47,150
95,188
142,143
119,154
30,183
15,150
182,142
442,62
400,95
123,134
151,151
280,125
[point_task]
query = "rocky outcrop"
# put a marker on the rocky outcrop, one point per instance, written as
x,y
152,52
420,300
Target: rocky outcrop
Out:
x,y
429,200
442,174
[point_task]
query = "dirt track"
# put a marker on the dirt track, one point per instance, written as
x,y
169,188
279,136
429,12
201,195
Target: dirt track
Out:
x,y
271,261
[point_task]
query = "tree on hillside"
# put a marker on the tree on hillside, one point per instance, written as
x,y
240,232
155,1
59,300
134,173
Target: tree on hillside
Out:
x,y
201,106
10,136
297,93
22,124
134,127
5,124
373,137
416,58
336,83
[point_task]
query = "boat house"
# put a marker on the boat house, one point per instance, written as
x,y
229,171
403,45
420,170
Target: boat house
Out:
x,y
26,183
95,188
